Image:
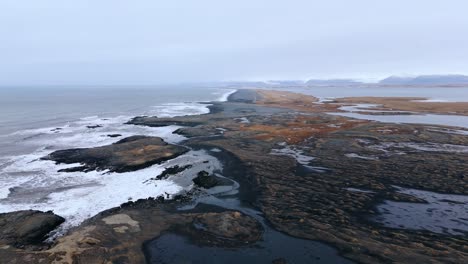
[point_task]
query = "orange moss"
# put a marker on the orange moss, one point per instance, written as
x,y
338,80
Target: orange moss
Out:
x,y
307,103
299,129
295,101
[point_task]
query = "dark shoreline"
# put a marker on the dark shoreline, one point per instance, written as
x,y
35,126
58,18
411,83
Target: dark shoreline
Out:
x,y
233,168
292,202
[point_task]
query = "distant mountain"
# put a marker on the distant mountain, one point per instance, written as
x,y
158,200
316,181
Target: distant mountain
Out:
x,y
246,84
286,82
262,84
426,80
332,82
393,80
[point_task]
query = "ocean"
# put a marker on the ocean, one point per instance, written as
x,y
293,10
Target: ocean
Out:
x,y
35,121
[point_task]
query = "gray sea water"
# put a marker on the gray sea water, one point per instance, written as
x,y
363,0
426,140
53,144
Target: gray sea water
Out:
x,y
35,121
36,107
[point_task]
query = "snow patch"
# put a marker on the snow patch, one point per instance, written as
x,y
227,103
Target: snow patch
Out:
x,y
354,155
295,153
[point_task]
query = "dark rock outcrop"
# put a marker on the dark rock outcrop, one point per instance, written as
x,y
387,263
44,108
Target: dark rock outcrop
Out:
x,y
244,96
29,227
160,122
128,154
223,229
207,181
172,171
117,235
93,127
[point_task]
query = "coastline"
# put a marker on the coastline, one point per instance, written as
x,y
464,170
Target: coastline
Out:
x,y
283,187
65,193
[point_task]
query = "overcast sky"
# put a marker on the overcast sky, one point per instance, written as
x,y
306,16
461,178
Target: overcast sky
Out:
x,y
154,42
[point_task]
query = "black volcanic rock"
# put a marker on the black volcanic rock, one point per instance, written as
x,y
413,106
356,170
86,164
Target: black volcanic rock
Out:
x,y
207,181
160,122
172,171
244,96
128,154
93,127
27,227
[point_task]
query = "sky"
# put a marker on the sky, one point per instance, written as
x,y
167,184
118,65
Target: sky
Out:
x,y
89,42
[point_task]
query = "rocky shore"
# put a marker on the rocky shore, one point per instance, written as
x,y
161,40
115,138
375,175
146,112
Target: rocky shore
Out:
x,y
310,174
128,154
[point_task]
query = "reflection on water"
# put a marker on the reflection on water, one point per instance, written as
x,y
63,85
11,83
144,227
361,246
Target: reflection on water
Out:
x,y
443,120
443,213
274,245
359,111
172,248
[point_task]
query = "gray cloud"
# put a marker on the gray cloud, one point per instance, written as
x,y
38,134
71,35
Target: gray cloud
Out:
x,y
150,42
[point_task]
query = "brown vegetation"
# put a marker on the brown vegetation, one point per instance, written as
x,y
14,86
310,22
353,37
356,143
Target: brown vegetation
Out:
x,y
307,103
290,100
413,104
299,128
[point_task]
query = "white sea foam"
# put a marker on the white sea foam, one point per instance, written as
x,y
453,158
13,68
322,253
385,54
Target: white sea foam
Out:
x,y
27,182
79,135
178,109
77,196
226,95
